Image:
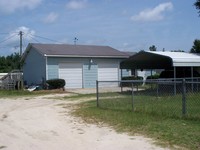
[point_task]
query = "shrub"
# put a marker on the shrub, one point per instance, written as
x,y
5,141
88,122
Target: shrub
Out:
x,y
132,78
155,76
56,83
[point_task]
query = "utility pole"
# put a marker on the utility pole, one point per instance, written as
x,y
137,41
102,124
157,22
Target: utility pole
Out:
x,y
20,34
20,82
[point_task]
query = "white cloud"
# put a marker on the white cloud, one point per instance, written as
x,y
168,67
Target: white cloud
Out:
x,y
12,40
77,4
51,17
10,6
154,14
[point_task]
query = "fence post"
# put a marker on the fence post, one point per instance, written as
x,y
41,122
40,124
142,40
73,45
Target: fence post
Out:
x,y
121,86
97,92
132,97
157,87
184,111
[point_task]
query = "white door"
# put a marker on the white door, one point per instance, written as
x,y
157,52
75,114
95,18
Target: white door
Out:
x,y
108,72
72,74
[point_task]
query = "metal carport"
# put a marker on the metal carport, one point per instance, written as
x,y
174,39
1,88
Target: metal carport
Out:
x,y
161,60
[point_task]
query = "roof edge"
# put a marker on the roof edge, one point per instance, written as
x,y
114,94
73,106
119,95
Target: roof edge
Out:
x,y
85,56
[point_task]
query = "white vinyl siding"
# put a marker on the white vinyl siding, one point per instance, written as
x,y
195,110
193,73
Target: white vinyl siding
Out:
x,y
72,74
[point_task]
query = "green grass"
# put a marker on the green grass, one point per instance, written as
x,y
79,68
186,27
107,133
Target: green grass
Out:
x,y
148,119
165,105
22,93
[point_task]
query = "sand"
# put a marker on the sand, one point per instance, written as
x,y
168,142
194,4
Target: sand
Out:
x,y
41,123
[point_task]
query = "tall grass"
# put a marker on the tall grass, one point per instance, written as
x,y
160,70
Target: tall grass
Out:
x,y
169,105
146,120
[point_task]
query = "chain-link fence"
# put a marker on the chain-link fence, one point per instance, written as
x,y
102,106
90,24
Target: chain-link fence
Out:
x,y
180,98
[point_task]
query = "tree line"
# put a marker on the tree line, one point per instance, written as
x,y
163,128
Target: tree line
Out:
x,y
195,48
9,63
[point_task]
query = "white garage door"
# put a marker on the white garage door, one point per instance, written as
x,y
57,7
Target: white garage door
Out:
x,y
72,74
108,72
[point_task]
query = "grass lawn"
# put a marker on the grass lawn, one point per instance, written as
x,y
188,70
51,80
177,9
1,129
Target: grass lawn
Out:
x,y
148,119
20,93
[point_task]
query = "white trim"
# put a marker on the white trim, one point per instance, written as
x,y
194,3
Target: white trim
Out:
x,y
46,68
72,56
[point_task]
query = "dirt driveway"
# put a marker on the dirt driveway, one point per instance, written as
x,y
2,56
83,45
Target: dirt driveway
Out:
x,y
41,123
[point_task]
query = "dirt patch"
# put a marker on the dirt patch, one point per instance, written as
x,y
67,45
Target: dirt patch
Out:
x,y
43,123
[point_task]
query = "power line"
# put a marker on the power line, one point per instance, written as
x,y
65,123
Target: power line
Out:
x,y
46,38
4,33
2,47
32,37
8,38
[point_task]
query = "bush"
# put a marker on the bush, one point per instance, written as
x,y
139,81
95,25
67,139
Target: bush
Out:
x,y
155,76
56,83
132,78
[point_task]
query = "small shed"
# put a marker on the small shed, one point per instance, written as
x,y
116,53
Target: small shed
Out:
x,y
79,65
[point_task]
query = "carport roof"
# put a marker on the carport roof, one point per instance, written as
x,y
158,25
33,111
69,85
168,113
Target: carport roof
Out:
x,y
161,60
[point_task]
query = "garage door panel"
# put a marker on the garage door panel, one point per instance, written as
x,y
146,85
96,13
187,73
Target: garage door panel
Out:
x,y
108,72
72,74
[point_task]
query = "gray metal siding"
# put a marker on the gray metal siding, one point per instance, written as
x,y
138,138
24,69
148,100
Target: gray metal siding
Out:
x,y
52,68
34,68
90,75
53,65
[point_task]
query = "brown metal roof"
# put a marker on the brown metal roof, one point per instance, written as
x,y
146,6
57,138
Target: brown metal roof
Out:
x,y
78,50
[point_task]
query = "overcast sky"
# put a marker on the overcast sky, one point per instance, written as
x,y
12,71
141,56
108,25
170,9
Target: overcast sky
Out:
x,y
127,25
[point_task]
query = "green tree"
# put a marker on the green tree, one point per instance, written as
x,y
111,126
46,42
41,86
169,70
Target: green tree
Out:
x,y
153,48
196,46
10,62
197,5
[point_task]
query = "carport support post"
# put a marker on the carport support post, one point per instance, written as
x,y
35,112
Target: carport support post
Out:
x,y
97,92
192,75
174,80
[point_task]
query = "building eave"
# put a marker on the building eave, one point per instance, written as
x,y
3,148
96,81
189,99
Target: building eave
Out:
x,y
84,56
